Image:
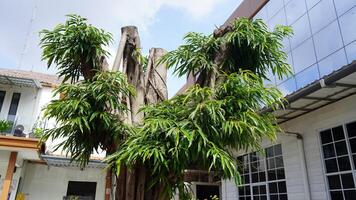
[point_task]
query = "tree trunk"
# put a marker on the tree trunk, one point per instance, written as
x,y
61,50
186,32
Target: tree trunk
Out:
x,y
150,88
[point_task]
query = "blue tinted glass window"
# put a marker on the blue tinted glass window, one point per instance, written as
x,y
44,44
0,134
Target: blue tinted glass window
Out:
x,y
311,3
301,30
278,19
351,52
290,62
307,76
288,86
327,40
303,56
343,5
332,62
294,10
348,26
286,45
322,14
271,77
262,14
273,6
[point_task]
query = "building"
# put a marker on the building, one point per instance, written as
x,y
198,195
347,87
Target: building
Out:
x,y
30,171
316,156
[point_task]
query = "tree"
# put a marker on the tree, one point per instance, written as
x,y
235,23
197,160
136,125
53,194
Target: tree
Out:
x,y
221,113
76,48
156,143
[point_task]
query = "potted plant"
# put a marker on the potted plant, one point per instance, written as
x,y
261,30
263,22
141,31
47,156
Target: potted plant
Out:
x,y
4,126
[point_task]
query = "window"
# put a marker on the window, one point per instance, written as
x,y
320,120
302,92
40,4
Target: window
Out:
x,y
338,149
343,6
351,51
288,86
303,56
332,62
323,45
2,97
207,192
13,107
348,24
263,175
321,15
307,76
295,9
301,31
82,189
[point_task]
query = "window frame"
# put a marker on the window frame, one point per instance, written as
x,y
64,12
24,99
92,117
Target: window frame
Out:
x,y
349,155
267,181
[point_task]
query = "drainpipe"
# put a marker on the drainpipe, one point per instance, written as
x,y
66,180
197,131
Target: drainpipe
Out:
x,y
300,145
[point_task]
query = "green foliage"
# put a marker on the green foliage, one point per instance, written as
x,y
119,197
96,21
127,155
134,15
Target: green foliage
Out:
x,y
38,132
249,45
4,125
88,114
197,129
75,47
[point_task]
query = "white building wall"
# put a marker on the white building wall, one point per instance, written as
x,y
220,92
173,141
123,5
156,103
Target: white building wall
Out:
x,y
309,126
42,182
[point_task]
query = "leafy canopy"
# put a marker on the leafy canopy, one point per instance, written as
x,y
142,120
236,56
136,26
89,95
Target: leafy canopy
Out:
x,y
247,45
88,114
75,47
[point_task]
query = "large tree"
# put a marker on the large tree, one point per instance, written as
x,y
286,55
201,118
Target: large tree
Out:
x,y
156,143
199,128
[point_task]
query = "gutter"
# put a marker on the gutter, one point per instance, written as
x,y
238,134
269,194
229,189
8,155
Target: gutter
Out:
x,y
305,174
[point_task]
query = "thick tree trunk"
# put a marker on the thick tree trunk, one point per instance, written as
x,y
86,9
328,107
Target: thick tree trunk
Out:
x,y
150,88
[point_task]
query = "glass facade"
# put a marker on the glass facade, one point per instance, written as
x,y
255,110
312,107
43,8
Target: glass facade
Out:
x,y
324,37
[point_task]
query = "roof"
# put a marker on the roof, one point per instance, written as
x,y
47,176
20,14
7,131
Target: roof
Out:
x,y
28,78
62,161
331,88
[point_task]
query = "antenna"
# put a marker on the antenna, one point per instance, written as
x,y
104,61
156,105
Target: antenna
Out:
x,y
28,35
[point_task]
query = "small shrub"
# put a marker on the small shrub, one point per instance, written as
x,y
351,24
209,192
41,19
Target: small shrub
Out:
x,y
4,126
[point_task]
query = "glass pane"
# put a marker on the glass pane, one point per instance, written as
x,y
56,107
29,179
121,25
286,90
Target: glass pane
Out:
x,y
353,145
303,56
255,178
329,151
282,188
331,165
280,174
283,197
323,46
307,76
326,136
273,197
311,3
336,195
274,6
295,9
273,188
262,14
347,181
271,163
288,86
350,194
14,103
343,5
348,24
333,62
263,189
344,163
338,133
2,97
334,182
278,19
269,152
279,162
301,30
278,150
351,129
321,15
341,148
255,190
272,175
351,52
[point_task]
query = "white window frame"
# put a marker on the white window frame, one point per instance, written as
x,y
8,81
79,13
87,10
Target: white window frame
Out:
x,y
266,182
348,147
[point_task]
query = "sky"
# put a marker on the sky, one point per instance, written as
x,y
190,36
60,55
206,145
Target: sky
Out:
x,y
161,23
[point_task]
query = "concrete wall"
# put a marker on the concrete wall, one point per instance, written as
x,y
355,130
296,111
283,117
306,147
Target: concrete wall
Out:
x,y
309,126
42,182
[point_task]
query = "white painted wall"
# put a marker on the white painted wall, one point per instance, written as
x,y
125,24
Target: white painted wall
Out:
x,y
43,183
309,126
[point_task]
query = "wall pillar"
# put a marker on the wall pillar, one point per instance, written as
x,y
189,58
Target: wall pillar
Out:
x,y
8,178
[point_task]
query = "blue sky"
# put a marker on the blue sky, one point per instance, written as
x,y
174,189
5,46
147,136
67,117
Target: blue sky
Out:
x,y
161,23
